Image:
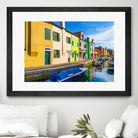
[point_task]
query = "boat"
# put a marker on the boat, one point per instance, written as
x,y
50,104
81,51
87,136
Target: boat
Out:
x,y
99,62
67,75
106,59
111,66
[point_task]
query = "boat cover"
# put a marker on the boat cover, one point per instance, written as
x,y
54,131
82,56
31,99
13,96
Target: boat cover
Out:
x,y
64,74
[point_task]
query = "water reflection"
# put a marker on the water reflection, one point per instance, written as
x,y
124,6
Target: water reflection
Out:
x,y
99,73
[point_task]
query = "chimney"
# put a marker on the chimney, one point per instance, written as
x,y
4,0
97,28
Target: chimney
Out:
x,y
62,24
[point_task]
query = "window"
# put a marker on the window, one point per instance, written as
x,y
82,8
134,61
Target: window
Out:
x,y
80,43
72,43
73,55
80,54
85,46
83,55
77,54
77,44
56,36
56,53
47,34
68,40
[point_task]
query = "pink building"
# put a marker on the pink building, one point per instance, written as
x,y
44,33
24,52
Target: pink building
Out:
x,y
82,48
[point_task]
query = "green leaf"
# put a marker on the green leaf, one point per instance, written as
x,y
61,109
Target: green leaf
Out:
x,y
75,130
84,136
81,122
81,126
88,116
75,134
86,119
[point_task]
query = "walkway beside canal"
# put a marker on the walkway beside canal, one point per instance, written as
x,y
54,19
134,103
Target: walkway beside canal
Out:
x,y
55,67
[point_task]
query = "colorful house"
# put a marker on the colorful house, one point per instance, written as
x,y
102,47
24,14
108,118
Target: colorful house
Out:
x,y
93,48
61,44
100,52
104,52
96,51
38,44
110,52
75,48
88,47
82,47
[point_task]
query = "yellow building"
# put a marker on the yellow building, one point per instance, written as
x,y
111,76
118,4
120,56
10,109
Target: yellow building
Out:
x,y
38,44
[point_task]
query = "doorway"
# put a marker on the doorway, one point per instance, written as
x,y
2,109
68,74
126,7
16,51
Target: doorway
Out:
x,y
47,57
69,57
75,56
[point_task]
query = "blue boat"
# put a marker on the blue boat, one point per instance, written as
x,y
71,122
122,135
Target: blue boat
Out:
x,y
67,75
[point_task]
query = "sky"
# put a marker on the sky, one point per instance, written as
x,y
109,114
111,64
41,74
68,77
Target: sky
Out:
x,y
101,32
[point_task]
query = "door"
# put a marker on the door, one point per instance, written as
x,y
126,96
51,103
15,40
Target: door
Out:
x,y
47,57
83,56
69,57
75,56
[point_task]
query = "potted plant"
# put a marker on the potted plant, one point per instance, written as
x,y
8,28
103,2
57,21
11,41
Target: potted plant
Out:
x,y
84,127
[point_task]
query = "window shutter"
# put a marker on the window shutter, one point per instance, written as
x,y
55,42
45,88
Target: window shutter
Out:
x,y
58,36
59,54
47,34
80,43
44,33
72,43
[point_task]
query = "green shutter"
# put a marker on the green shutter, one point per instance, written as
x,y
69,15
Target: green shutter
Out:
x,y
47,34
44,33
59,37
72,54
72,43
54,53
59,54
80,43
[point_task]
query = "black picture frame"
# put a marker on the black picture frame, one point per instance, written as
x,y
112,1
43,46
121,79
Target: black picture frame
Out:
x,y
127,80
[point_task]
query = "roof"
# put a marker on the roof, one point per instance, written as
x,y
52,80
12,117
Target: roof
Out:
x,y
59,27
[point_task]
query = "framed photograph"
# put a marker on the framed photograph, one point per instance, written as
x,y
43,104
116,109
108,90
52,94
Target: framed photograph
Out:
x,y
68,51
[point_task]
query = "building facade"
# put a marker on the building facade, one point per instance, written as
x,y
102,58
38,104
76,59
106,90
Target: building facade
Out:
x,y
61,44
75,48
100,52
96,52
38,44
88,49
82,47
93,48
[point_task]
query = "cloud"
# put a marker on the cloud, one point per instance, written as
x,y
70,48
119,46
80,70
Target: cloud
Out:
x,y
104,37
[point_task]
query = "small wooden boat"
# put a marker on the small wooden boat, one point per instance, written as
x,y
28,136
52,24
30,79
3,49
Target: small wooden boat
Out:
x,y
67,75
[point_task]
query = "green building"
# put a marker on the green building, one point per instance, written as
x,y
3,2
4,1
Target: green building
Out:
x,y
75,48
88,51
104,52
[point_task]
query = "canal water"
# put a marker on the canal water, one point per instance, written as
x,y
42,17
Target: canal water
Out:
x,y
98,74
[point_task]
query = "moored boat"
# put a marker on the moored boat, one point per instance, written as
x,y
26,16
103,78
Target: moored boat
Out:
x,y
111,67
67,75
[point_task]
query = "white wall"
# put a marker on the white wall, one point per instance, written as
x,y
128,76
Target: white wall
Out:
x,y
101,109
